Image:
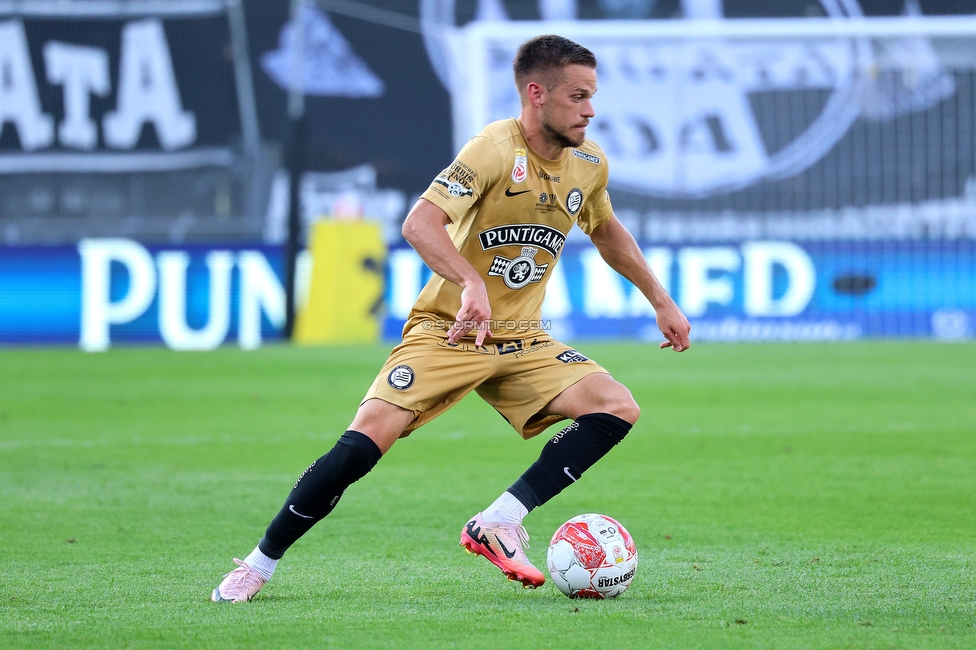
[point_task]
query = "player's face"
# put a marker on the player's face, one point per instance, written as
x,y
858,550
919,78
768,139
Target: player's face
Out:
x,y
569,107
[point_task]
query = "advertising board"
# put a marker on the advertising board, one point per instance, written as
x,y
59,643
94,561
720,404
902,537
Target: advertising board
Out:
x,y
752,291
106,291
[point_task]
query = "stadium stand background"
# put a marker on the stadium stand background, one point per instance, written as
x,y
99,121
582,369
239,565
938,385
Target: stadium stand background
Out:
x,y
883,209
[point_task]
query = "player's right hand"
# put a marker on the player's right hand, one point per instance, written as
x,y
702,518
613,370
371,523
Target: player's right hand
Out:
x,y
474,314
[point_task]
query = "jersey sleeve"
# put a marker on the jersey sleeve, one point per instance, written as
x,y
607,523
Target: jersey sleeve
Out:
x,y
596,207
456,189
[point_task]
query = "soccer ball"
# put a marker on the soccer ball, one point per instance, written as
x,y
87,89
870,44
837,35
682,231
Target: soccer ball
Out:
x,y
592,556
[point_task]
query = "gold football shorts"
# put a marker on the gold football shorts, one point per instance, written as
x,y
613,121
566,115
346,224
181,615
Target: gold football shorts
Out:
x,y
427,375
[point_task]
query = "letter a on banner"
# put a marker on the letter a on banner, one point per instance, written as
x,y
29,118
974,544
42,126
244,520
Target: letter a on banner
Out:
x,y
148,92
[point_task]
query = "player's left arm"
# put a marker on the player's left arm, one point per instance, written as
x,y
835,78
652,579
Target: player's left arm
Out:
x,y
621,252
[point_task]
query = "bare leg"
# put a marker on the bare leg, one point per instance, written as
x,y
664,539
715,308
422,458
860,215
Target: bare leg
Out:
x,y
596,393
381,422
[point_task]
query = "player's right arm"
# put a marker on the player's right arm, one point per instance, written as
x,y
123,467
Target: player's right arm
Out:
x,y
424,229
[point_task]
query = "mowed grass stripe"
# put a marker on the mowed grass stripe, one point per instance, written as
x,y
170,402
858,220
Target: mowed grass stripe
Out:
x,y
782,496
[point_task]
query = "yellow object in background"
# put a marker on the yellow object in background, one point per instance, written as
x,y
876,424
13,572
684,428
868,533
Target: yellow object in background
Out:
x,y
346,284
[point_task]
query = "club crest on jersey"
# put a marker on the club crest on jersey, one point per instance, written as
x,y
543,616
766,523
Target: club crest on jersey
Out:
x,y
401,377
574,200
520,271
521,168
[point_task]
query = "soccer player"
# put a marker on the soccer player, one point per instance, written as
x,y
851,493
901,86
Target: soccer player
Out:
x,y
491,226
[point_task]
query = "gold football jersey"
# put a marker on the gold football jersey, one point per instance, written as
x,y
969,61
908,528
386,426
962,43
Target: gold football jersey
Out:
x,y
510,212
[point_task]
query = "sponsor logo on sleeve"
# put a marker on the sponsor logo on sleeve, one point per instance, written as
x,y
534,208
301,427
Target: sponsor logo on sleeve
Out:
x,y
521,168
457,178
454,189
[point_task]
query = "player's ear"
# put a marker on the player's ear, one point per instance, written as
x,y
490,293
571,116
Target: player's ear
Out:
x,y
535,93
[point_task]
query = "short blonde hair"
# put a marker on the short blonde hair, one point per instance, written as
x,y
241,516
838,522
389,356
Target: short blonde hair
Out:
x,y
543,59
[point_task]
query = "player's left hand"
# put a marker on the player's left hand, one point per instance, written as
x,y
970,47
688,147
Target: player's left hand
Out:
x,y
675,327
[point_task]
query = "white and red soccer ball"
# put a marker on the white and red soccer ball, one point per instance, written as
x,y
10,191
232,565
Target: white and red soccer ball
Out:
x,y
592,556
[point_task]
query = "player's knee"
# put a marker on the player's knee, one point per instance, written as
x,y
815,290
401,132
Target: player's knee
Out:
x,y
627,409
621,403
381,422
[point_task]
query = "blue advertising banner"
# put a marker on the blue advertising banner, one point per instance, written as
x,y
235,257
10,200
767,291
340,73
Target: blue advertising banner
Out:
x,y
117,290
753,291
106,291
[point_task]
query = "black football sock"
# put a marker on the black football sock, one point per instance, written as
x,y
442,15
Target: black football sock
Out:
x,y
567,455
318,490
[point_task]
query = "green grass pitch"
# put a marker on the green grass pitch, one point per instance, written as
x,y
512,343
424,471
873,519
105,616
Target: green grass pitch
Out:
x,y
781,496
